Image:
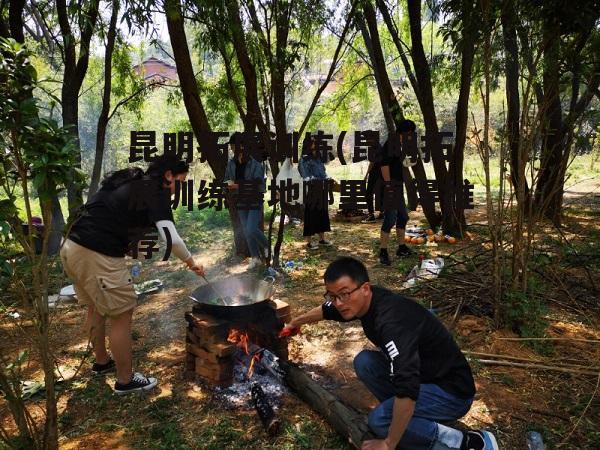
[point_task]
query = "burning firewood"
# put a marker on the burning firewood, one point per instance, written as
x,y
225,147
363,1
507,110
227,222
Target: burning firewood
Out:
x,y
264,410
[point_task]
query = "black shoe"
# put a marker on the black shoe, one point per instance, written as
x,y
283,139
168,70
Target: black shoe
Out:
x,y
479,440
369,218
138,383
101,369
384,258
403,251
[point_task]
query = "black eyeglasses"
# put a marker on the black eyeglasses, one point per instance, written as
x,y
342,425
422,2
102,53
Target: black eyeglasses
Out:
x,y
343,297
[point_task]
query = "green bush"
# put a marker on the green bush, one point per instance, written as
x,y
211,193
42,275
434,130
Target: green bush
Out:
x,y
524,313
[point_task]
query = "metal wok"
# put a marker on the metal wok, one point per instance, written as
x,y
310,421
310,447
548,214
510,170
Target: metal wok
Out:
x,y
244,297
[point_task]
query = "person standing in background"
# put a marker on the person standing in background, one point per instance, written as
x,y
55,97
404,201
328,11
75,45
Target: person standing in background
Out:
x,y
391,173
316,216
243,168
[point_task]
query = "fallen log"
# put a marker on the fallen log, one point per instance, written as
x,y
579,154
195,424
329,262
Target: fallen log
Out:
x,y
264,410
346,421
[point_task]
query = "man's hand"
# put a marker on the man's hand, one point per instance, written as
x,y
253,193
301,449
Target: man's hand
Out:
x,y
376,444
232,186
289,330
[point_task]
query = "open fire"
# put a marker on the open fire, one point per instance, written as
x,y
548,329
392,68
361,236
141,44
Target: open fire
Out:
x,y
215,344
242,340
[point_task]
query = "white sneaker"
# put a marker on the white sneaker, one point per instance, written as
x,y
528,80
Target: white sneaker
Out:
x,y
253,263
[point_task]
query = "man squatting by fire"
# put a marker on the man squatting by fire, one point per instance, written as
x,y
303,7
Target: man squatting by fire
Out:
x,y
419,375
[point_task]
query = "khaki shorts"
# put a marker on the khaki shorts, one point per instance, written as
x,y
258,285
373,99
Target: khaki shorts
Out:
x,y
99,280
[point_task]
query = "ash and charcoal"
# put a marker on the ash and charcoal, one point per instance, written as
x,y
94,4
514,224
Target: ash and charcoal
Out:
x,y
239,394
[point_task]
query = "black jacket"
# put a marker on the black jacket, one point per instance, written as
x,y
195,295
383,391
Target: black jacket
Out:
x,y
418,346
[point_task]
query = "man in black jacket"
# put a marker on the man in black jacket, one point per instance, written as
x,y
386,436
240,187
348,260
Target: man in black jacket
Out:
x,y
420,375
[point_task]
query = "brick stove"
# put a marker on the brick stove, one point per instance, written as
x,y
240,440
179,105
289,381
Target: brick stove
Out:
x,y
211,357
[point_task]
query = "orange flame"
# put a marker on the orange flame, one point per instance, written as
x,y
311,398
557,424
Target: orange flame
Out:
x,y
251,368
239,338
242,340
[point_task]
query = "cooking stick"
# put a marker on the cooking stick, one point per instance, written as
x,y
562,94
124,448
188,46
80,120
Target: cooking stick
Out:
x,y
219,295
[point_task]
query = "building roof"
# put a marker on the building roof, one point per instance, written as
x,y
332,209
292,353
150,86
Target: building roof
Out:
x,y
154,68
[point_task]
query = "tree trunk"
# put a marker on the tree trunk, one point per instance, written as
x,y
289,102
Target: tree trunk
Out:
x,y
349,423
457,225
15,30
195,109
368,27
16,405
253,114
57,226
511,58
187,80
425,97
103,119
74,73
382,6
389,103
553,142
15,20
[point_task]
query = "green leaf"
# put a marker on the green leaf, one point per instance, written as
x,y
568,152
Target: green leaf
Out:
x,y
39,180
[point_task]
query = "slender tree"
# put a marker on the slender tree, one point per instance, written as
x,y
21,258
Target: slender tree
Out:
x,y
75,67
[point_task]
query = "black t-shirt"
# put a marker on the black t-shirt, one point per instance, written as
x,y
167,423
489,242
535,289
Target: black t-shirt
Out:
x,y
418,346
391,156
112,220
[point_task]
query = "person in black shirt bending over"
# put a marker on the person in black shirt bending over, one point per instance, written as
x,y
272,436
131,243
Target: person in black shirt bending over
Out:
x,y
394,207
128,205
420,376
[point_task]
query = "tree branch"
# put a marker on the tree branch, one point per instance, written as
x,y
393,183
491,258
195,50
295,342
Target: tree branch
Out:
x,y
331,71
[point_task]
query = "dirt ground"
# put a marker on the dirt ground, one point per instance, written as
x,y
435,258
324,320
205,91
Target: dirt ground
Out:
x,y
183,414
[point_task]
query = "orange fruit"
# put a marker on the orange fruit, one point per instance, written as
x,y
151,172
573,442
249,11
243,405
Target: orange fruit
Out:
x,y
430,232
420,240
451,240
407,239
414,240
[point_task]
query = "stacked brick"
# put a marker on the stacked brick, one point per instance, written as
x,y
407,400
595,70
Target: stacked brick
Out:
x,y
211,357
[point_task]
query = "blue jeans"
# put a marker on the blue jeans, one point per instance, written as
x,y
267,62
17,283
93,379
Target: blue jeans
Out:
x,y
255,238
433,405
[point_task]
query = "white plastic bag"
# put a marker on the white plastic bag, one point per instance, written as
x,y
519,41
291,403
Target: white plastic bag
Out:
x,y
430,268
289,171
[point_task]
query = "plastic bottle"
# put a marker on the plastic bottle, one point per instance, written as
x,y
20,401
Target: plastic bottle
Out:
x,y
534,441
136,272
